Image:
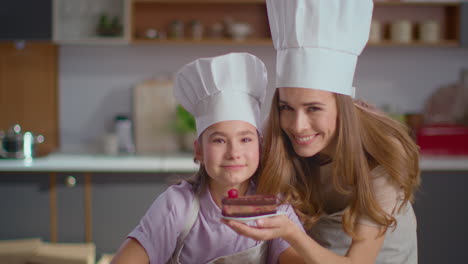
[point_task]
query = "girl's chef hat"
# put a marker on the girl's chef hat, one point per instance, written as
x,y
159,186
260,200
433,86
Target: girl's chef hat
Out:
x,y
318,41
228,87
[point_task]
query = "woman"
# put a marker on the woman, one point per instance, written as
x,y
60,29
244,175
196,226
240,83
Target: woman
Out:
x,y
349,170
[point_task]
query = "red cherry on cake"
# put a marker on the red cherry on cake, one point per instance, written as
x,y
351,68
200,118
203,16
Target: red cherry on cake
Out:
x,y
233,193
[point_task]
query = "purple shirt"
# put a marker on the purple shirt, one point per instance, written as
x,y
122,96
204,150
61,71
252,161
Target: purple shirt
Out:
x,y
209,238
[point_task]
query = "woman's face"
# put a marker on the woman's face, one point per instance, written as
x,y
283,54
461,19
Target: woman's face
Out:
x,y
230,152
309,118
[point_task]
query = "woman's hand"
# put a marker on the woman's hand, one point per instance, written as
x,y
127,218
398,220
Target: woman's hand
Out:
x,y
362,251
267,228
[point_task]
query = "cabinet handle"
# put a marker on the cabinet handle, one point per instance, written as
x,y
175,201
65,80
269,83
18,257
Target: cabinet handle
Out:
x,y
70,181
20,44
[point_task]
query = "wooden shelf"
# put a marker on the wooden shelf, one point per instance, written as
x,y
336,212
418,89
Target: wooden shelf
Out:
x,y
94,41
378,3
138,16
158,15
223,41
387,43
445,14
416,3
268,42
202,1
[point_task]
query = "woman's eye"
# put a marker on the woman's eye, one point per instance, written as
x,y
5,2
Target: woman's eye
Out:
x,y
284,107
246,140
314,109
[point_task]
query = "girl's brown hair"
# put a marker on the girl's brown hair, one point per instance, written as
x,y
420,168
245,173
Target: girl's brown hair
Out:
x,y
365,139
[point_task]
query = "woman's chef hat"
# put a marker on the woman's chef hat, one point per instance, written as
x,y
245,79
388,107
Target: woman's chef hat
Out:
x,y
318,41
228,87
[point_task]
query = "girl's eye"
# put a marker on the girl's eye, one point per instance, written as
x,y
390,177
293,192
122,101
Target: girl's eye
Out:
x,y
218,140
284,107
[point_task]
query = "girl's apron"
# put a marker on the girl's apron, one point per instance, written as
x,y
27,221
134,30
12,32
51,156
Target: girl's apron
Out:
x,y
400,244
257,254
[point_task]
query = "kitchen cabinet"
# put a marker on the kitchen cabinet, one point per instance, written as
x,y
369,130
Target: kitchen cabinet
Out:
x,y
70,202
99,207
76,22
119,200
26,19
42,205
151,17
24,205
84,198
28,90
441,213
105,198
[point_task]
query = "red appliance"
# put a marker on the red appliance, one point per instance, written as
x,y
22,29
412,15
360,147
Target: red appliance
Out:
x,y
443,140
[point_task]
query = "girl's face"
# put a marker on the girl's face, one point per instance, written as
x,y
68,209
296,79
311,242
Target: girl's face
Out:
x,y
309,118
230,152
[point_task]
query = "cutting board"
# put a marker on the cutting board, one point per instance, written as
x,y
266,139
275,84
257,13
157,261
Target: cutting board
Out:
x,y
154,116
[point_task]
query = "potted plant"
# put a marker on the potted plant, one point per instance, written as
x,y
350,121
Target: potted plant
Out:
x,y
109,27
185,128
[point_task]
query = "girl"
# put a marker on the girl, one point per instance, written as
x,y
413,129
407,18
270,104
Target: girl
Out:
x,y
183,225
349,170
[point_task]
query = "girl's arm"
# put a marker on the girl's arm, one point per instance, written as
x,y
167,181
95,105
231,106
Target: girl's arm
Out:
x,y
362,251
131,251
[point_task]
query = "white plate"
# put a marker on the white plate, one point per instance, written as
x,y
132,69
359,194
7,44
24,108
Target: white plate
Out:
x,y
253,218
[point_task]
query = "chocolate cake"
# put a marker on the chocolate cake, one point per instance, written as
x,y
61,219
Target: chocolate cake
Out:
x,y
249,205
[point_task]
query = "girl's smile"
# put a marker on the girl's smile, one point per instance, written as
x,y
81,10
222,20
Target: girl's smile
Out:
x,y
233,167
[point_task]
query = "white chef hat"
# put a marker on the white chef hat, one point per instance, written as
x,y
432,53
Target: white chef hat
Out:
x,y
223,88
318,41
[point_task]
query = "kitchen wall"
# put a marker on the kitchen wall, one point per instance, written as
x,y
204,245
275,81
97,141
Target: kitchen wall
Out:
x,y
95,82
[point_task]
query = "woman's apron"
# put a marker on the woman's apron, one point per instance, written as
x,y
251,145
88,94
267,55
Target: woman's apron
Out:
x,y
400,244
256,254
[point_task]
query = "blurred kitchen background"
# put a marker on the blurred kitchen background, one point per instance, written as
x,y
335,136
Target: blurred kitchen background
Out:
x,y
91,81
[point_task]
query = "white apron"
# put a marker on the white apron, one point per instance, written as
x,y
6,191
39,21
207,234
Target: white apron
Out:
x,y
254,255
400,244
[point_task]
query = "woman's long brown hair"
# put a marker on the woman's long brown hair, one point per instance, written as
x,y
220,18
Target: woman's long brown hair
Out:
x,y
365,138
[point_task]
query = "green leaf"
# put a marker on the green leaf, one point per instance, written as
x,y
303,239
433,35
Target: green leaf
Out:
x,y
185,122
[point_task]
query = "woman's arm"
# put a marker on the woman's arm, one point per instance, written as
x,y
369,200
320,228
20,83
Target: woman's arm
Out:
x,y
131,251
290,256
362,251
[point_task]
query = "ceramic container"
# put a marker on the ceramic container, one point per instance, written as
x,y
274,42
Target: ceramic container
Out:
x,y
401,31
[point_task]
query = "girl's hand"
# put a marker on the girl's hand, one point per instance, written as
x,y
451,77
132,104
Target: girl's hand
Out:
x,y
267,228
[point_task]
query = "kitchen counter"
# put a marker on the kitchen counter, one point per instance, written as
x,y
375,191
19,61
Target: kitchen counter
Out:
x,y
182,163
100,163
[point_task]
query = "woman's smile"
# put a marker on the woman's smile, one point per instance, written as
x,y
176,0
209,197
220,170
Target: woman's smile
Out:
x,y
305,140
